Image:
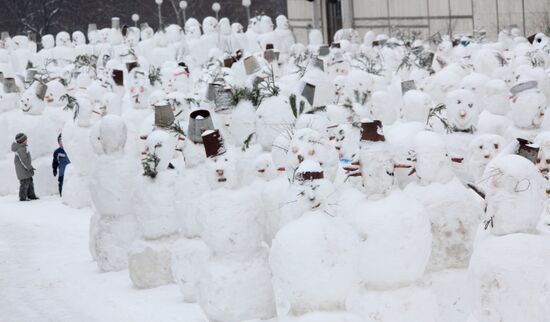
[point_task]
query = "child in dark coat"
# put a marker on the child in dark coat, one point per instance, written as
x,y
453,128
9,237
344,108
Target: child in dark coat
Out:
x,y
23,168
60,161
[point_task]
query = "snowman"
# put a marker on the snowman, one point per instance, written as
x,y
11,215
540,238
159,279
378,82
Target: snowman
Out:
x,y
113,227
416,106
154,207
236,283
394,250
381,107
285,37
267,36
139,88
310,248
462,115
511,259
454,210
528,106
273,117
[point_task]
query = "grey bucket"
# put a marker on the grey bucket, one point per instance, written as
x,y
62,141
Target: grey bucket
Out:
x,y
29,77
212,90
199,121
164,114
251,65
41,89
10,86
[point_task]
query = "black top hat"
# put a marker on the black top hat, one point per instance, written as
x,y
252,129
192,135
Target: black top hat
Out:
x,y
372,131
131,65
213,143
309,176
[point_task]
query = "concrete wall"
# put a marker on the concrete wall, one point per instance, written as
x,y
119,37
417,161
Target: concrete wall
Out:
x,y
430,16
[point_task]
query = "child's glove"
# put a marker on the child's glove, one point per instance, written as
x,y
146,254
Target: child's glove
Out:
x,y
55,172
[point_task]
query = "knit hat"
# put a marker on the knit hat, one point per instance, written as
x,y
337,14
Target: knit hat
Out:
x,y
20,138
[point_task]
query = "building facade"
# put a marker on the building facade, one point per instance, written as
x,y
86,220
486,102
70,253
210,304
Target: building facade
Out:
x,y
425,16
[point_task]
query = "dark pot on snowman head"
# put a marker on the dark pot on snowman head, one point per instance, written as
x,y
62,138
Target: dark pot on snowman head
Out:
x,y
372,131
199,121
131,65
164,114
213,143
527,150
307,176
118,77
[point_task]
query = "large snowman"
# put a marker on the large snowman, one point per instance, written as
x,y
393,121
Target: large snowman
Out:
x,y
314,258
453,209
113,227
511,258
154,206
236,284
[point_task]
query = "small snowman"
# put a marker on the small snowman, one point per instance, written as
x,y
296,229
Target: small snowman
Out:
x,y
236,282
113,227
528,106
373,162
310,248
511,258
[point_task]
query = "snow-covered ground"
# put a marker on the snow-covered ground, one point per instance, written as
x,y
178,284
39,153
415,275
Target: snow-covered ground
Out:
x,y
47,274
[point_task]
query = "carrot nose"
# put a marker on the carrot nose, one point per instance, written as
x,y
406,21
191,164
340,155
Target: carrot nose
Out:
x,y
462,113
300,158
219,172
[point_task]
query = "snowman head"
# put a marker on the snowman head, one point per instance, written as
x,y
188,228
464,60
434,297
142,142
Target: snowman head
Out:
x,y
163,146
462,109
111,102
264,167
147,33
313,189
20,42
315,37
193,28
132,37
484,148
225,27
237,28
496,99
475,83
542,140
266,24
63,39
54,92
79,38
528,108
222,171
174,33
209,25
112,134
85,110
104,35
139,87
93,37
416,106
31,100
339,83
282,22
431,160
254,25
48,41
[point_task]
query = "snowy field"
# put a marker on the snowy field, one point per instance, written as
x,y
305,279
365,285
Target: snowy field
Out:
x,y
47,274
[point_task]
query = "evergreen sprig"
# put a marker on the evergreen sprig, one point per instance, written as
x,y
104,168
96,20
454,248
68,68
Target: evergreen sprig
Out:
x,y
150,163
72,104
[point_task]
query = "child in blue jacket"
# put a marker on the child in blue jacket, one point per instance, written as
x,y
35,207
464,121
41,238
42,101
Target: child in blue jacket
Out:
x,y
60,161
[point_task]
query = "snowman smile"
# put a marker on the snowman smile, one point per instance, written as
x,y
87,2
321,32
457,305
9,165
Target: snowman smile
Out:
x,y
222,179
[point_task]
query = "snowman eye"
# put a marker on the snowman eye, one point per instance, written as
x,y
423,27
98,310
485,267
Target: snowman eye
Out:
x,y
458,102
481,147
537,160
225,160
547,161
496,146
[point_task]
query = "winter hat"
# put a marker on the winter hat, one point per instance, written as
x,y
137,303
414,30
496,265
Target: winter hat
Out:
x,y
213,143
372,131
20,138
